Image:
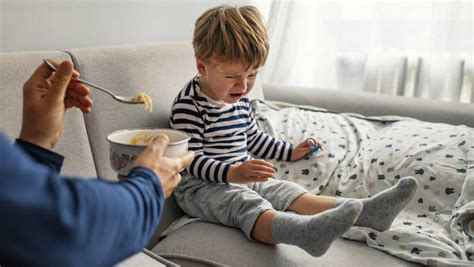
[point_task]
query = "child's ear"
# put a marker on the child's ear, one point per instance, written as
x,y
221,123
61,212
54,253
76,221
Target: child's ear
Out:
x,y
201,67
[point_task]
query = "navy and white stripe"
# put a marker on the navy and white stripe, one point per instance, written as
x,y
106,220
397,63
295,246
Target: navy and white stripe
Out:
x,y
221,134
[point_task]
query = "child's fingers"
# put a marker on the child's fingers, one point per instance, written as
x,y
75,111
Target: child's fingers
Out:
x,y
264,168
260,162
311,142
262,174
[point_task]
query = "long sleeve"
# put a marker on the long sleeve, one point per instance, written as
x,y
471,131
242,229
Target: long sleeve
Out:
x,y
50,221
265,146
186,117
42,155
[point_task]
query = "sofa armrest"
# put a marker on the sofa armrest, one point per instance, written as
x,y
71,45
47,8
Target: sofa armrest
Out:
x,y
371,104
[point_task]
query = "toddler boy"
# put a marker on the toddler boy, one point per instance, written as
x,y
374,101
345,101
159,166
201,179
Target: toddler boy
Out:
x,y
226,185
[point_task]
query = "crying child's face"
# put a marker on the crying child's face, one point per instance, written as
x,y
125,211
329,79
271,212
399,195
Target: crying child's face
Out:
x,y
227,82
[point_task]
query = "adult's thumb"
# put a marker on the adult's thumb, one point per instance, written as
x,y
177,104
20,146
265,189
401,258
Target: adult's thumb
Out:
x,y
61,80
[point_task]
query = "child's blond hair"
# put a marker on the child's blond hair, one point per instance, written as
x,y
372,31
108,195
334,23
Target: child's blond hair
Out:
x,y
227,34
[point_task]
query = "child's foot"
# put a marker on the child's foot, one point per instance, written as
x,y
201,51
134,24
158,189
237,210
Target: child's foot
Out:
x,y
380,210
315,233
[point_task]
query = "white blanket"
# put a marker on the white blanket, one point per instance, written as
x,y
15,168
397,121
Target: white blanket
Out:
x,y
365,155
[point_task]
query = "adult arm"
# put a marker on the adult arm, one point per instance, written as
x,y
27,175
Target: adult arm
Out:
x,y
72,222
41,155
50,221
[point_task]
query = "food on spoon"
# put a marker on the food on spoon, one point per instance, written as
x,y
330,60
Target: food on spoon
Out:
x,y
146,99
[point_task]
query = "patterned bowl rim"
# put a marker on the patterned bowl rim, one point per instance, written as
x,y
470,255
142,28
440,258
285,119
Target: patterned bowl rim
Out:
x,y
148,128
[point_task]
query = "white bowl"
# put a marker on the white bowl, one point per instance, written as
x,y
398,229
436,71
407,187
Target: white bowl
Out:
x,y
126,145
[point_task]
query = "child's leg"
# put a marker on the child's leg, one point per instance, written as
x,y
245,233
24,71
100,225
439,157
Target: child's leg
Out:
x,y
314,234
381,209
228,204
309,204
289,196
262,230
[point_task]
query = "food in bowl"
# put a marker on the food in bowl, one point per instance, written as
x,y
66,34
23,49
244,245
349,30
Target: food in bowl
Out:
x,y
141,138
126,145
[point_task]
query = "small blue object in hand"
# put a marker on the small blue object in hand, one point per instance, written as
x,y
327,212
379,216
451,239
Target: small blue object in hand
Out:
x,y
316,146
315,149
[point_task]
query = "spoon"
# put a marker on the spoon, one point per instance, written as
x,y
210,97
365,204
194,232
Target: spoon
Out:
x,y
123,99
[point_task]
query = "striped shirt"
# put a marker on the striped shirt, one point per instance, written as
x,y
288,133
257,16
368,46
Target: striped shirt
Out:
x,y
221,134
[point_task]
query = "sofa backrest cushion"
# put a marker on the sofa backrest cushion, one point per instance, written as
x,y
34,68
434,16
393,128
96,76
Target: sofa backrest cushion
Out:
x,y
16,68
160,70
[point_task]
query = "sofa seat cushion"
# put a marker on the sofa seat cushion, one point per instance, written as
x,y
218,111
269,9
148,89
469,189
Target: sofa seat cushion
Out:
x,y
228,246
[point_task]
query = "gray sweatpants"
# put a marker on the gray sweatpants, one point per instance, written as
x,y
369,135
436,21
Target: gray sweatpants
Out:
x,y
236,205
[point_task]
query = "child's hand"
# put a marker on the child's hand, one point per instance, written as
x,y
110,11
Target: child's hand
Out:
x,y
251,171
303,148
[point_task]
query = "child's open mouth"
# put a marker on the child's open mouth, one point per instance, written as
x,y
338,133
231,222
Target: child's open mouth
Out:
x,y
238,95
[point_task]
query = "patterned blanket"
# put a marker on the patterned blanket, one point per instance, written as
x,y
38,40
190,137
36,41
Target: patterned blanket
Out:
x,y
365,155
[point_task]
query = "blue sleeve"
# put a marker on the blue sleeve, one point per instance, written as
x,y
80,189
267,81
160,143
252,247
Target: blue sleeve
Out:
x,y
47,220
42,155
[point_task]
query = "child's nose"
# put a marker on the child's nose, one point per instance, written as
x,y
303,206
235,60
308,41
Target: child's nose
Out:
x,y
242,84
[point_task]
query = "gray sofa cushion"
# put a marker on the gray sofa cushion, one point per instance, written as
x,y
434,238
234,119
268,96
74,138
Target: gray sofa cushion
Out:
x,y
16,68
230,247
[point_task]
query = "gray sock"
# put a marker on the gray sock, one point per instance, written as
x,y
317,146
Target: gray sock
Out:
x,y
381,209
315,233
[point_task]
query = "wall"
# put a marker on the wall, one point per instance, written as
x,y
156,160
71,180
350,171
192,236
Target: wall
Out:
x,y
59,25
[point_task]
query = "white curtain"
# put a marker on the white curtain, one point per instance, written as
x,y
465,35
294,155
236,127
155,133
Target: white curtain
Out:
x,y
418,48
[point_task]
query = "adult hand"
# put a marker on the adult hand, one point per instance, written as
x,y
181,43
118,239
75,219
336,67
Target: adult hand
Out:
x,y
167,169
46,97
251,171
303,148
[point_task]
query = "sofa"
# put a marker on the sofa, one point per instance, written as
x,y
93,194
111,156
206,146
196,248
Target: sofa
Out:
x,y
161,70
